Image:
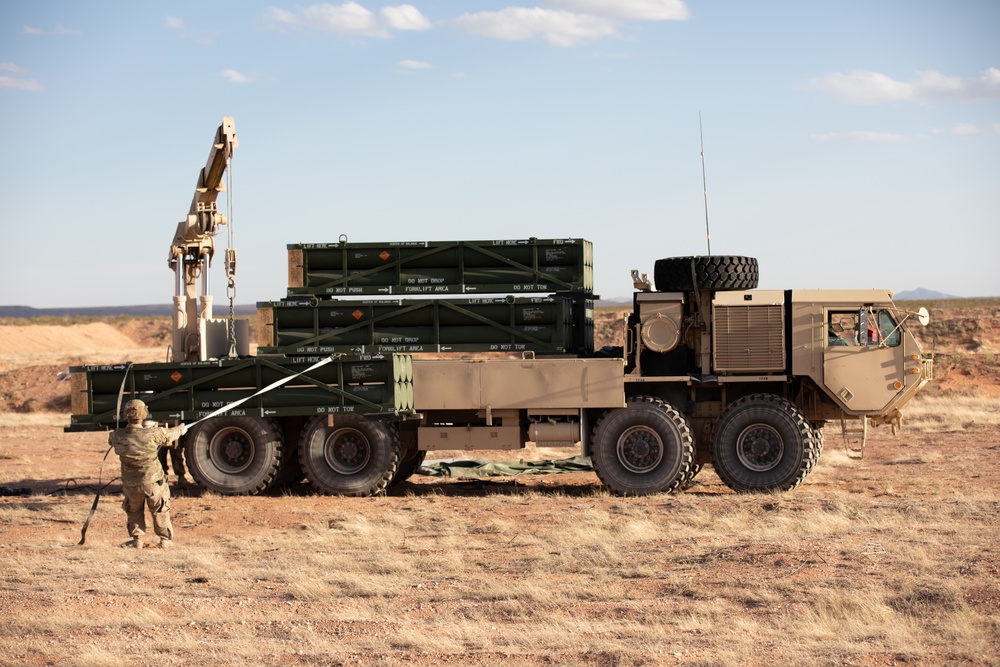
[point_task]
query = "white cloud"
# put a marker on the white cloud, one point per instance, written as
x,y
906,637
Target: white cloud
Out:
x,y
626,10
521,23
864,87
17,83
559,22
861,87
958,130
14,83
405,17
882,137
175,23
234,76
967,130
415,64
57,30
349,18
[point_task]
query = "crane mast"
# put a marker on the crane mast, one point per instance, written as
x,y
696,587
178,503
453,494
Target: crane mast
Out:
x,y
192,249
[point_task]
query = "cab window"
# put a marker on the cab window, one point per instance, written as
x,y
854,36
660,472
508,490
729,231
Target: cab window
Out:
x,y
842,328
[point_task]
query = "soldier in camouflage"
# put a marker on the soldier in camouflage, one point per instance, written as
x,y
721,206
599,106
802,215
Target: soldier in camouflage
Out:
x,y
143,482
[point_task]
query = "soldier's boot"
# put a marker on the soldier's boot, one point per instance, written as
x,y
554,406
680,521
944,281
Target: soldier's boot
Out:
x,y
165,543
134,543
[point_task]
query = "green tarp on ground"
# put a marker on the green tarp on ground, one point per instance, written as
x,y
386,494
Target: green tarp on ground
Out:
x,y
485,468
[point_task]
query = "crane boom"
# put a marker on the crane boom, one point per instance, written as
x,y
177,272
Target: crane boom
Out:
x,y
210,178
193,247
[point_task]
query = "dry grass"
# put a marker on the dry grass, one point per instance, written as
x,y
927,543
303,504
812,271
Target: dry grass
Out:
x,y
951,413
827,578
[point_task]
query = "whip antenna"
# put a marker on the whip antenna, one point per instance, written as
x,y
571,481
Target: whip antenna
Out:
x,y
704,184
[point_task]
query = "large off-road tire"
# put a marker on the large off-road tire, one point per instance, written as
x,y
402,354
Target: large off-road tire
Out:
x,y
354,457
234,455
688,480
712,272
290,471
646,447
763,443
819,438
410,458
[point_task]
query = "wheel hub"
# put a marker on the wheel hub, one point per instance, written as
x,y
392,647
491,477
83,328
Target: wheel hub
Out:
x,y
346,451
760,447
231,450
640,449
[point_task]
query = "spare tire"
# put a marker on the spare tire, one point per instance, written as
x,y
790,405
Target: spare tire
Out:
x,y
713,272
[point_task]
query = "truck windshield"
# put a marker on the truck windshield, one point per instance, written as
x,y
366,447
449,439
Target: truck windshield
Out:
x,y
888,331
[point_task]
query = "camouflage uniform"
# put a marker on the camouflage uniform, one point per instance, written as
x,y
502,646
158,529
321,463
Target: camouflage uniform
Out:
x,y
143,482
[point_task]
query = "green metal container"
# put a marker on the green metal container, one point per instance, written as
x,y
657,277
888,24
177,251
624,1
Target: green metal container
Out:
x,y
441,267
541,324
186,391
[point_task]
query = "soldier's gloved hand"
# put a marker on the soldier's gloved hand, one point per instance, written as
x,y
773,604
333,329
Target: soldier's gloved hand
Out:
x,y
184,429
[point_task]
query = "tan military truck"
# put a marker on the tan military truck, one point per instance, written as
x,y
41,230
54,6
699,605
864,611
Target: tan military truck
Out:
x,y
351,385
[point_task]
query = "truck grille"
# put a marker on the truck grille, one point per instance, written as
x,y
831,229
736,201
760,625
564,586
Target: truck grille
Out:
x,y
749,339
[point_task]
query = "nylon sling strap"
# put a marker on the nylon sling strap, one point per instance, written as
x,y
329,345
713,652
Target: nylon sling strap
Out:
x,y
273,385
100,474
97,498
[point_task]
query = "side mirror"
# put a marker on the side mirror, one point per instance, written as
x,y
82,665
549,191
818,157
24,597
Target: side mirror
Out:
x,y
923,316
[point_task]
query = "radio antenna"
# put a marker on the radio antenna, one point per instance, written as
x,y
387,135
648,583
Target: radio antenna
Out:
x,y
704,184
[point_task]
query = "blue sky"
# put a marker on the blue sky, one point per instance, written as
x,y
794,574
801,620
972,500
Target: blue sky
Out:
x,y
853,144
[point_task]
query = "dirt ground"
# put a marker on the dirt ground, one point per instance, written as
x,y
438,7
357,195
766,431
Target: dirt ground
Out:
x,y
946,482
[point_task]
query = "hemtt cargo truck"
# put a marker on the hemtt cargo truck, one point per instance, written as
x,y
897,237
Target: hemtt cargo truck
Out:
x,y
381,352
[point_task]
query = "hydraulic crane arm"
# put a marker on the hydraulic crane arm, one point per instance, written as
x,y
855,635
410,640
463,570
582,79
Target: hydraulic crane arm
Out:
x,y
210,182
193,246
203,220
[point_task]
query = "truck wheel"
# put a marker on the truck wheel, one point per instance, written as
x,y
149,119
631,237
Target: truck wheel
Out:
x,y
234,455
289,473
645,448
410,459
688,480
713,272
763,443
354,457
818,435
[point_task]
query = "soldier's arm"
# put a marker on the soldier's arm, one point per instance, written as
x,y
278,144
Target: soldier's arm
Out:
x,y
173,434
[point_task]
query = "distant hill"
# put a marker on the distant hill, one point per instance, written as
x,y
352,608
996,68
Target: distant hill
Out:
x,y
156,310
165,310
922,294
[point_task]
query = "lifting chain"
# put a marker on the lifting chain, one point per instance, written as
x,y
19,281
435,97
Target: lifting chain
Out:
x,y
231,262
231,293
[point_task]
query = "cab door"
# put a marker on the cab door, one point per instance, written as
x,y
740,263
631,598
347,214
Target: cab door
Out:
x,y
863,371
